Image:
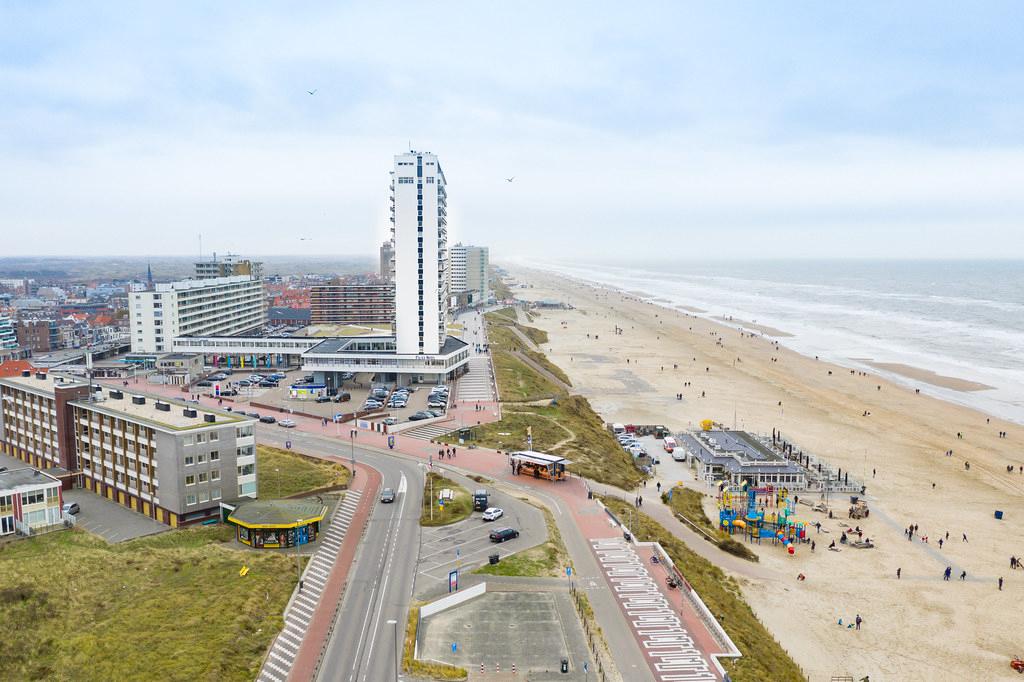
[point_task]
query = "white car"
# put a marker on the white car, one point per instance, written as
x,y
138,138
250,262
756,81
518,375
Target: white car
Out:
x,y
287,423
493,514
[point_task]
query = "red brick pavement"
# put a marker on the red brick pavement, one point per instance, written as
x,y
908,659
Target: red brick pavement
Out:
x,y
367,481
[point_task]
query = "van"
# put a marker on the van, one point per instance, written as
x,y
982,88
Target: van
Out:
x,y
618,429
669,444
480,500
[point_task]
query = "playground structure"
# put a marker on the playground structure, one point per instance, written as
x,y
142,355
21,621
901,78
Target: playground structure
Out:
x,y
765,513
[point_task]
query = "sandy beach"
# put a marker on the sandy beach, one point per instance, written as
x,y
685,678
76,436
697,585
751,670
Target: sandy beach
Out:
x,y
918,627
926,375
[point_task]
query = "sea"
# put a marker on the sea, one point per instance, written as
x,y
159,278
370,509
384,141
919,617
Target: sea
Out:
x,y
958,318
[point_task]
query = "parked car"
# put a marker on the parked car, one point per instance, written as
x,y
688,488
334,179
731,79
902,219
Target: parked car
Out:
x,y
204,382
245,382
433,404
387,495
390,421
503,534
343,396
229,393
323,399
71,508
254,415
422,414
287,423
436,413
267,419
268,384
492,514
308,379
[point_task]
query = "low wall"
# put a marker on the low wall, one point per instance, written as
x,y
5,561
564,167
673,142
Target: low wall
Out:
x,y
398,428
452,600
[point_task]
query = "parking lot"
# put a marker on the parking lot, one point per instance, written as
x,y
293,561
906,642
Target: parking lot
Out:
x,y
534,630
466,546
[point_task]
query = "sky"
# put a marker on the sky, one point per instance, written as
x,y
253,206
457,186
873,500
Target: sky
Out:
x,y
698,129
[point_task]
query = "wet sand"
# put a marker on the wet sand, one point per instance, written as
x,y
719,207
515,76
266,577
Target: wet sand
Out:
x,y
764,329
926,375
916,628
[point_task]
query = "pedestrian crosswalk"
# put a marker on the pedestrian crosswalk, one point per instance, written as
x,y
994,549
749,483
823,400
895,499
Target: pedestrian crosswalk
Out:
x,y
428,431
477,383
279,661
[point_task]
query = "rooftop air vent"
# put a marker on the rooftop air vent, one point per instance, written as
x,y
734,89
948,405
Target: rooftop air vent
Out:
x,y
189,412
138,400
117,395
26,373
163,407
210,417
41,376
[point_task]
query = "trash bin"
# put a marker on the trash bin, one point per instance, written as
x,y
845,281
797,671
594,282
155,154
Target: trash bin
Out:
x,y
565,665
999,514
493,558
625,535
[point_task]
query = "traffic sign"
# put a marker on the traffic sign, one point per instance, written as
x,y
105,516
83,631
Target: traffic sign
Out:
x,y
568,571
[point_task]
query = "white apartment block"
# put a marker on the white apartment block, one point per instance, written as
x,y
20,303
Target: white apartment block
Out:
x,y
420,236
469,266
221,306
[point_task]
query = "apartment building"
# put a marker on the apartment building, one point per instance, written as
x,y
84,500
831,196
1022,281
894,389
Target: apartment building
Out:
x,y
228,265
171,461
222,306
369,304
30,500
8,333
387,261
469,266
419,210
39,336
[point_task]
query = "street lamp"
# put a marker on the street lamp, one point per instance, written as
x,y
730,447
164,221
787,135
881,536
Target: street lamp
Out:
x,y
298,569
394,623
352,439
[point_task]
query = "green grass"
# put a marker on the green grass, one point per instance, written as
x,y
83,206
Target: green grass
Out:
x,y
453,511
546,560
593,451
763,657
284,473
424,669
518,382
500,289
689,503
542,360
166,607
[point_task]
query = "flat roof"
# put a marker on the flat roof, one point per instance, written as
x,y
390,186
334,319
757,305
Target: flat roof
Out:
x,y
15,478
539,457
340,345
278,513
173,419
738,451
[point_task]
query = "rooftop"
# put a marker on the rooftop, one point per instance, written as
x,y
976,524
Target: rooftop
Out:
x,y
364,344
278,513
15,478
173,419
737,451
539,457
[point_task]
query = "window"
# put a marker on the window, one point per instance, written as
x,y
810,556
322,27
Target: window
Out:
x,y
404,180
214,455
430,181
190,500
202,477
215,494
204,496
190,479
187,440
201,459
189,460
32,497
214,436
214,474
200,437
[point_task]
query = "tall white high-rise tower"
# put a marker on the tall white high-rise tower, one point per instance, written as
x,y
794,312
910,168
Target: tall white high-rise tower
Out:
x,y
419,217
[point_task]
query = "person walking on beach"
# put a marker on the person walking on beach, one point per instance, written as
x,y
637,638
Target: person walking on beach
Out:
x,y
963,575
859,620
898,572
940,543
947,573
1013,563
965,537
1000,583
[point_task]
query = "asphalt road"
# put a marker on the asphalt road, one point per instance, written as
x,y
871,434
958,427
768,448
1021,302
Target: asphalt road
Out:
x,y
362,646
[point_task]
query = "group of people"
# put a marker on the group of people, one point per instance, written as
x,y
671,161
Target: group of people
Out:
x,y
446,452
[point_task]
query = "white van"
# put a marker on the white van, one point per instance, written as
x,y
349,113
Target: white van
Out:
x,y
618,429
669,444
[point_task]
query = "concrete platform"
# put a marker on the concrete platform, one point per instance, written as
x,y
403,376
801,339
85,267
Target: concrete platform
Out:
x,y
534,630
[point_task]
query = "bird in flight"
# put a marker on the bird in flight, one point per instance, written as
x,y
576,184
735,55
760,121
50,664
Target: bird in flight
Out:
x,y
313,91
305,239
510,179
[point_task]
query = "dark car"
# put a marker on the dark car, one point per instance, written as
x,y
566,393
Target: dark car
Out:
x,y
268,384
267,419
503,534
387,495
323,399
245,382
229,392
204,382
416,416
343,396
435,413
